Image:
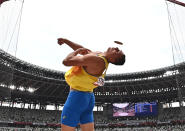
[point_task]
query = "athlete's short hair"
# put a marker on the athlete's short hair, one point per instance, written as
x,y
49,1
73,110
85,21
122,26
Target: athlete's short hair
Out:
x,y
120,60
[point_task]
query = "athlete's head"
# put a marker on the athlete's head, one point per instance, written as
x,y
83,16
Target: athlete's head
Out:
x,y
115,56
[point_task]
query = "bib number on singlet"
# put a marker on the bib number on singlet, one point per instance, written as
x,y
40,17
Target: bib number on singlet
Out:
x,y
100,82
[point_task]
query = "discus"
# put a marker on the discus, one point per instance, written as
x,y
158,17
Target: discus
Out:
x,y
117,42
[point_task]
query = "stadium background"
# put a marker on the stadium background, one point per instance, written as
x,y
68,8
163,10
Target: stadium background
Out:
x,y
27,91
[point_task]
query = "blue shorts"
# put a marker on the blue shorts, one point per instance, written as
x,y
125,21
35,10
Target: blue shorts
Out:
x,y
78,108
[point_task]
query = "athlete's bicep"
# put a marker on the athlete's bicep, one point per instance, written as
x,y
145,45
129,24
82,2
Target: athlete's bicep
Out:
x,y
84,60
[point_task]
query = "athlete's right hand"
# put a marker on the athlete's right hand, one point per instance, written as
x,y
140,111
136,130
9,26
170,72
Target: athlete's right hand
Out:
x,y
61,41
82,51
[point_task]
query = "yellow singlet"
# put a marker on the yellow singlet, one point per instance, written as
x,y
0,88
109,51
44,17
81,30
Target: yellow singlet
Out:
x,y
78,79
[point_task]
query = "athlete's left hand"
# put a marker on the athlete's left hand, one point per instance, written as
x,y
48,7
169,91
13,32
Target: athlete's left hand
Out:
x,y
61,41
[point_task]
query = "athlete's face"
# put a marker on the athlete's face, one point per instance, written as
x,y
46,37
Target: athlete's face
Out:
x,y
115,53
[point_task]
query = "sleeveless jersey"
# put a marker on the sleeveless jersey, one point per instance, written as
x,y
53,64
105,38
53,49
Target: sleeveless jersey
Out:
x,y
78,79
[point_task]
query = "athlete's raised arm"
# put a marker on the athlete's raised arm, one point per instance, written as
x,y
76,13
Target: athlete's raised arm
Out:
x,y
71,44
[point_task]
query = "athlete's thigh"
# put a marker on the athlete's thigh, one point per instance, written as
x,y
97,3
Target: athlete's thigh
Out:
x,y
73,108
70,117
87,126
67,128
87,115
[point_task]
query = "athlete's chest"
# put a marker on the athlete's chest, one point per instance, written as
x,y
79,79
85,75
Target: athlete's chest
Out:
x,y
96,69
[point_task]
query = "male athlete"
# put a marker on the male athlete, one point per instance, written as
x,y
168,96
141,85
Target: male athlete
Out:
x,y
87,72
